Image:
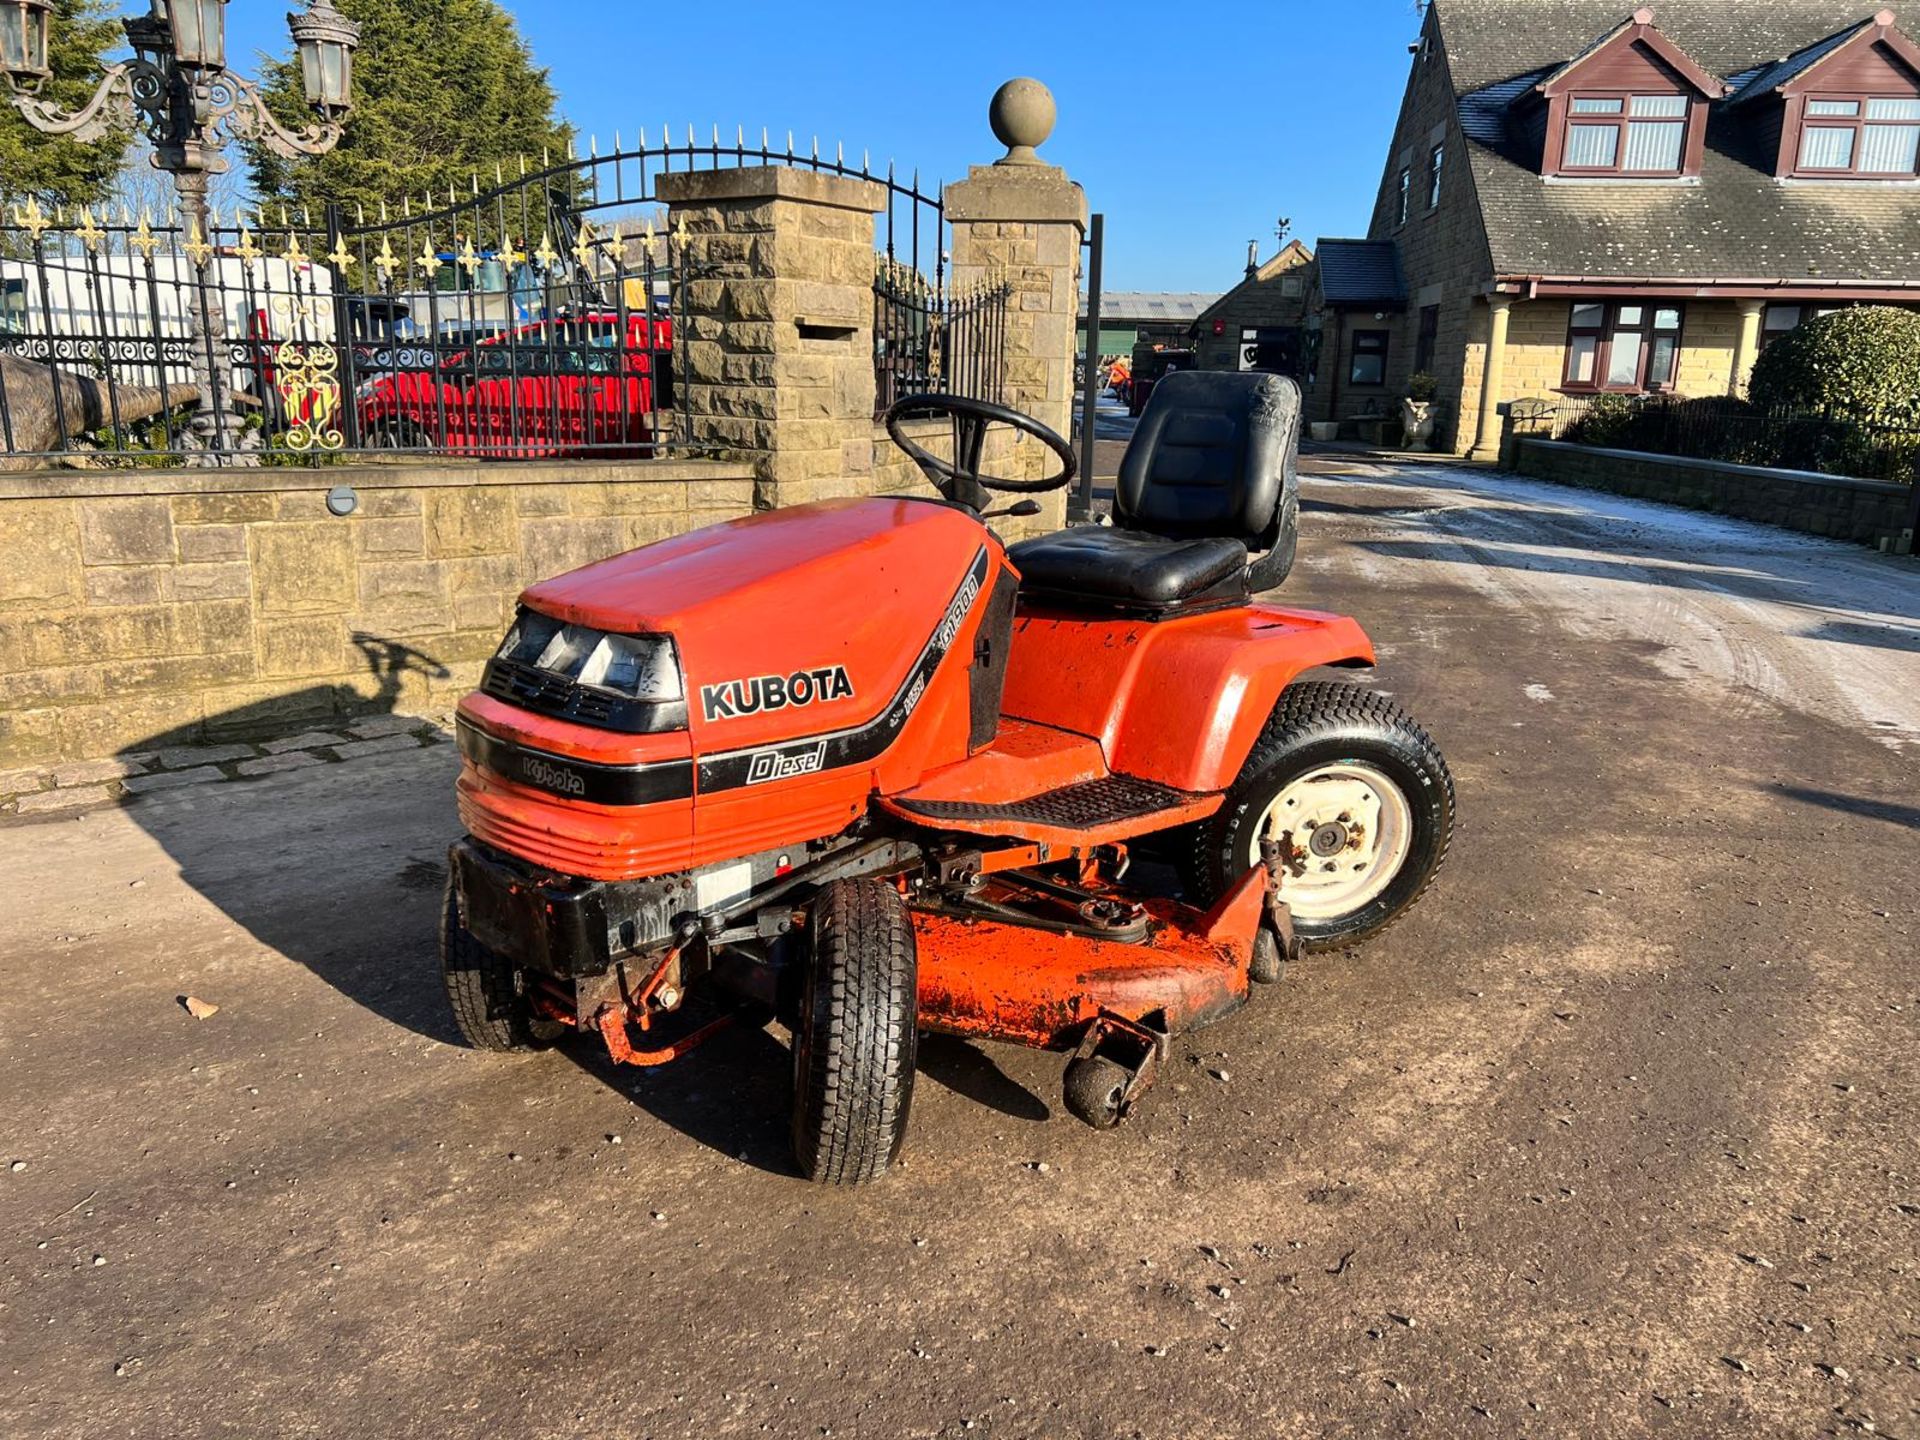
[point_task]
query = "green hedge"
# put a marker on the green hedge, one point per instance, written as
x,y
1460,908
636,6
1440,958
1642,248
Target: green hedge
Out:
x,y
1723,427
1861,365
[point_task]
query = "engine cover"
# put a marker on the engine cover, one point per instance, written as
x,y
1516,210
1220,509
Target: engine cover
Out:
x,y
827,652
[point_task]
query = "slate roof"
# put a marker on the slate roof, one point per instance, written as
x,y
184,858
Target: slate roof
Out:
x,y
1360,273
1737,222
1771,77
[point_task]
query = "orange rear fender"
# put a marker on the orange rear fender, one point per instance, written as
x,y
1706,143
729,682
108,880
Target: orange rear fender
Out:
x,y
1176,701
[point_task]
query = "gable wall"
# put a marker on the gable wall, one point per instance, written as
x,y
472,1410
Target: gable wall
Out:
x,y
1858,67
1443,254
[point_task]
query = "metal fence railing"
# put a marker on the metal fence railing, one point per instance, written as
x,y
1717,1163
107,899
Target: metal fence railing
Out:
x,y
533,318
928,338
487,329
1728,429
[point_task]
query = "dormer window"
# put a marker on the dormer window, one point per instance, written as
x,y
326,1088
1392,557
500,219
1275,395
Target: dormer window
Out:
x,y
1625,135
1860,135
1631,106
1847,107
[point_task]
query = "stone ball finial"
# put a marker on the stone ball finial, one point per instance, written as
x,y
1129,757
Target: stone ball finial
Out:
x,y
1022,115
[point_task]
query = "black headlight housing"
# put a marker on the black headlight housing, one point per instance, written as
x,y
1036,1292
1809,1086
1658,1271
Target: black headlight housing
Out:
x,y
629,683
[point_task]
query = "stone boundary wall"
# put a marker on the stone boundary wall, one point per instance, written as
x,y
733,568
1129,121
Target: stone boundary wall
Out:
x,y
1865,511
151,610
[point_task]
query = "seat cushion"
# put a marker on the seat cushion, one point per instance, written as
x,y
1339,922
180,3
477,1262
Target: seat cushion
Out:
x,y
1130,570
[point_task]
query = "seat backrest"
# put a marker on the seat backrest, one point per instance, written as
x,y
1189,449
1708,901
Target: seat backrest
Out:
x,y
1214,455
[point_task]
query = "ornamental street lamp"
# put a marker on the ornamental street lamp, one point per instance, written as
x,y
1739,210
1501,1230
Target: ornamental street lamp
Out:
x,y
178,90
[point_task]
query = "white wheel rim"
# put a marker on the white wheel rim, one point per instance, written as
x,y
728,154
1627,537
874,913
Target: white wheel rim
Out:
x,y
1344,832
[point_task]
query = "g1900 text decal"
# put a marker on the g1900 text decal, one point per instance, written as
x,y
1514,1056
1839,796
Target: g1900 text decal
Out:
x,y
732,698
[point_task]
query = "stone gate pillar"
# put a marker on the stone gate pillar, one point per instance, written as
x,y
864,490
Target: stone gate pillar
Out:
x,y
777,319
1021,220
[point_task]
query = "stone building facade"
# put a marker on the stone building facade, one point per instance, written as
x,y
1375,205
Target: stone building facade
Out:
x,y
1583,201
1266,322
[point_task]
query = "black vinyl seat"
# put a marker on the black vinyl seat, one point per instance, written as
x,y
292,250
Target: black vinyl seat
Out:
x,y
1097,565
1205,513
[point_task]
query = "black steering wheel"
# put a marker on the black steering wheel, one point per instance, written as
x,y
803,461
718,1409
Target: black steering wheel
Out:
x,y
959,479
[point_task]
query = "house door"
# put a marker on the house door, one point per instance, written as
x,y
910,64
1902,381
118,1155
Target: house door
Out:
x,y
1276,350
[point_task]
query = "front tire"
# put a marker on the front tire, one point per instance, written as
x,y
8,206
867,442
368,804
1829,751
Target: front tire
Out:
x,y
487,1006
1388,801
854,1041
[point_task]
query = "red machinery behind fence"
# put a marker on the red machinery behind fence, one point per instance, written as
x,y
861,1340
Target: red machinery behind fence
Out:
x,y
548,390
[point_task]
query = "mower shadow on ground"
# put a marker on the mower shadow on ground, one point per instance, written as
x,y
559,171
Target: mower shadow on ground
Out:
x,y
362,837
969,1071
733,1094
1905,816
730,1094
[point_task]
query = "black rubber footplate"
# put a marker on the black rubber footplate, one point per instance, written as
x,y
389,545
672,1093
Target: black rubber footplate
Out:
x,y
1092,802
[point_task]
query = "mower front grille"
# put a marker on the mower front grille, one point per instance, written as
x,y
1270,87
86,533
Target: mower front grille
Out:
x,y
549,694
1072,807
554,835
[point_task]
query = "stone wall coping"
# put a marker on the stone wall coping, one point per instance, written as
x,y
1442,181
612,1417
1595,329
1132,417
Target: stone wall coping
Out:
x,y
1017,194
771,182
1723,467
88,485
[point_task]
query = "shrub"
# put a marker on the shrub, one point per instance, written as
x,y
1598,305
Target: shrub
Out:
x,y
1604,422
1422,386
1861,365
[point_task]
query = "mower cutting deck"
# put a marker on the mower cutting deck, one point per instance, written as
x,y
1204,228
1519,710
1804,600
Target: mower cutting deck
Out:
x,y
918,809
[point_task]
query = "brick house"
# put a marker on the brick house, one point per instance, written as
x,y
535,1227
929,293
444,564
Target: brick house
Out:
x,y
1266,322
1581,200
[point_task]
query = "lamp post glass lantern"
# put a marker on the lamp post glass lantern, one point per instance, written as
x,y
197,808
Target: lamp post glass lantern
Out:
x,y
199,32
326,40
178,90
23,40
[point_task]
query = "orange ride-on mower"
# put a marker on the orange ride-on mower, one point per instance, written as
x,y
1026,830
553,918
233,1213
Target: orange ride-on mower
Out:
x,y
857,765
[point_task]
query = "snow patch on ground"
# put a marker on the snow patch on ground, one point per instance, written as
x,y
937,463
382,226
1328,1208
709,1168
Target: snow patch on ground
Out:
x,y
1537,692
1775,617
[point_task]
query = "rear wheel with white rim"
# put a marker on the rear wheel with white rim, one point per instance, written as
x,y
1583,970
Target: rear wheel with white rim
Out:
x,y
1356,801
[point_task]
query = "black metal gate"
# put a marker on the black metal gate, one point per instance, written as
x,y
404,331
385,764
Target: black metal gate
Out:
x,y
533,317
1087,376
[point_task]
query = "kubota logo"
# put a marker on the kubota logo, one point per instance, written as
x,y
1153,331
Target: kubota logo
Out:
x,y
552,777
732,698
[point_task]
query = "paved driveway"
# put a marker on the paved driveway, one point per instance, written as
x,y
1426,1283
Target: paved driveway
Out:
x,y
1613,1136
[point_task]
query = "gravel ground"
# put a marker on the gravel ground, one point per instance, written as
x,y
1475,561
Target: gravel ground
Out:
x,y
1612,1136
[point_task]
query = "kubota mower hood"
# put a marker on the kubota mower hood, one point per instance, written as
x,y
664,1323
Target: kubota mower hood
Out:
x,y
801,621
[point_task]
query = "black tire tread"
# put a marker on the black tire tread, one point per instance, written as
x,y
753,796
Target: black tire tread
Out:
x,y
854,1069
1331,706
479,986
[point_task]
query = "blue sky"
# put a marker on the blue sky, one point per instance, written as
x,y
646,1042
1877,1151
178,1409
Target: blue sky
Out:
x,y
1193,126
